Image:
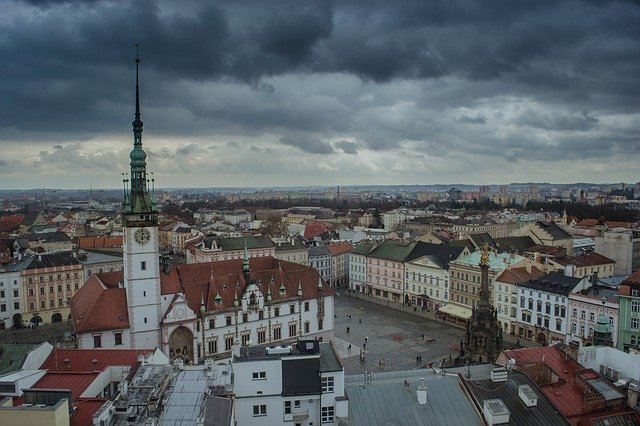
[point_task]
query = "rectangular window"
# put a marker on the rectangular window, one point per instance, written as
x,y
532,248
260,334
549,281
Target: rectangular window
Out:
x,y
212,323
245,339
213,346
228,342
262,334
3,308
328,414
277,333
259,410
15,293
143,265
635,306
228,319
259,375
117,339
287,407
293,329
306,306
320,324
292,309
327,384
245,317
97,341
276,312
261,314
634,323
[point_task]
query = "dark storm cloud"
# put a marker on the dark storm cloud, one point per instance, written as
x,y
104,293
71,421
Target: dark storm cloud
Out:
x,y
582,122
306,143
478,119
441,77
347,147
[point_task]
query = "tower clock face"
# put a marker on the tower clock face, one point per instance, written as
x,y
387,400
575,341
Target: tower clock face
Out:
x,y
141,236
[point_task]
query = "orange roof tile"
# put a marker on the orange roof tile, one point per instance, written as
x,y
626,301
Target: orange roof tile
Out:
x,y
339,248
99,242
519,275
99,305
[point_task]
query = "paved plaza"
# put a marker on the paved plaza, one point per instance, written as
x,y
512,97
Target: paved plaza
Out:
x,y
393,338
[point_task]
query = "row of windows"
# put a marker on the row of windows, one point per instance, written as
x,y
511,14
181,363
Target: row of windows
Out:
x,y
52,303
16,293
245,336
245,315
394,265
51,277
3,306
15,282
42,290
97,340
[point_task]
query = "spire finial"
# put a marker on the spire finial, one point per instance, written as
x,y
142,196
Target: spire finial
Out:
x,y
137,60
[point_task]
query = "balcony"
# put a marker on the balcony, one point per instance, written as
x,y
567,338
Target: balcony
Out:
x,y
297,415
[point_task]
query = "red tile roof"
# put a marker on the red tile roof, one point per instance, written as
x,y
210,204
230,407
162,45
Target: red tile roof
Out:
x,y
99,242
339,248
519,275
84,409
567,394
11,222
82,360
589,259
542,249
101,305
317,228
76,382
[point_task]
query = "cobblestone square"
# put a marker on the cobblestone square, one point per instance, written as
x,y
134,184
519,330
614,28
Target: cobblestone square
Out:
x,y
393,338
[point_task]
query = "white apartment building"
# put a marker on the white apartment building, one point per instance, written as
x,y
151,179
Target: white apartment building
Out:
x,y
289,385
543,304
10,298
358,266
393,218
426,282
505,294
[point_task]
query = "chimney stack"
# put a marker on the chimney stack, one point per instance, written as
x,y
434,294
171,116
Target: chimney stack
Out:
x,y
422,393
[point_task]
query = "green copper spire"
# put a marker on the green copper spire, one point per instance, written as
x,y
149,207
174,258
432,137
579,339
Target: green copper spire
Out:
x,y
139,200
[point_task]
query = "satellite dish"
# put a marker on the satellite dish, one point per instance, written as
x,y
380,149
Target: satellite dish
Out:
x,y
511,363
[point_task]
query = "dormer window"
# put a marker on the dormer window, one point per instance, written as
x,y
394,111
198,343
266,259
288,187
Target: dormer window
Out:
x,y
282,289
217,300
253,299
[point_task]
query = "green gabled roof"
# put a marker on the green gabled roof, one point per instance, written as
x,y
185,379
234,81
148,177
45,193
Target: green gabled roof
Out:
x,y
363,248
393,250
12,356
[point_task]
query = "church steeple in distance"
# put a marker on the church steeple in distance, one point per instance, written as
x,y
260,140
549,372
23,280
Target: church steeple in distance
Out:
x,y
139,200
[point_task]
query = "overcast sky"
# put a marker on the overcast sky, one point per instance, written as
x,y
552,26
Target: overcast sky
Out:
x,y
262,93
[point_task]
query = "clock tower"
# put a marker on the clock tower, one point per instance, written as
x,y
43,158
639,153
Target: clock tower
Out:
x,y
140,246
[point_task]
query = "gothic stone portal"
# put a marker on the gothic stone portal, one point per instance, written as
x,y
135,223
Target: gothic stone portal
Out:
x,y
181,344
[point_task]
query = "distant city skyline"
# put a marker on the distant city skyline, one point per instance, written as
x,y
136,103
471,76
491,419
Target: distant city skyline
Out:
x,y
264,94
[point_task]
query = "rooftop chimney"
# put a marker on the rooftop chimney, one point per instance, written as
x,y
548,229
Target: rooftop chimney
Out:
x,y
422,393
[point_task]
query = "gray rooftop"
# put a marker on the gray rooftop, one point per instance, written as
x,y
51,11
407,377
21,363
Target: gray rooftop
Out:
x,y
385,400
328,358
483,389
185,398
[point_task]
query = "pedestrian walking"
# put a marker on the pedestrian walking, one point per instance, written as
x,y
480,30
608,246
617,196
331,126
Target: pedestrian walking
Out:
x,y
348,329
360,320
366,339
349,348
